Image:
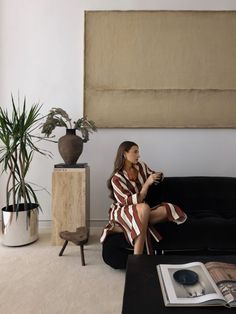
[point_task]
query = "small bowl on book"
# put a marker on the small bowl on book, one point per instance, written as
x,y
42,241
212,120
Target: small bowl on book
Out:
x,y
186,277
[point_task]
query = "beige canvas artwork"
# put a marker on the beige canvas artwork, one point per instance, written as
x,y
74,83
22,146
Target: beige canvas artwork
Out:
x,y
160,69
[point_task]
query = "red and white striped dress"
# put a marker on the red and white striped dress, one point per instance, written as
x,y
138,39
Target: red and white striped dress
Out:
x,y
123,212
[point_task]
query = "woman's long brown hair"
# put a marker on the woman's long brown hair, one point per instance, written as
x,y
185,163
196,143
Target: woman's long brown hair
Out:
x,y
119,163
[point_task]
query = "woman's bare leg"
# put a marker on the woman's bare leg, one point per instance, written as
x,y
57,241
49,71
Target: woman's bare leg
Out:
x,y
143,213
158,214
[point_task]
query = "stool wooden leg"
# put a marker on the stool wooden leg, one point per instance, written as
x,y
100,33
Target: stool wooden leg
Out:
x,y
63,248
82,254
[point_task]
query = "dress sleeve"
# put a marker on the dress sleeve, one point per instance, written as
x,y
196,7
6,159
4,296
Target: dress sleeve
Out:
x,y
122,193
150,171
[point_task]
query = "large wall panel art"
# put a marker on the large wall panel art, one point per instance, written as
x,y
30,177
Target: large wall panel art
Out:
x,y
160,69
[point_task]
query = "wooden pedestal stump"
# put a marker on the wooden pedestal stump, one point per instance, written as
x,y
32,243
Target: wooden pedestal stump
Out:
x,y
70,200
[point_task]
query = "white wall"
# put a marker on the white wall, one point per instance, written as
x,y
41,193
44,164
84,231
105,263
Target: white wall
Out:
x,y
41,56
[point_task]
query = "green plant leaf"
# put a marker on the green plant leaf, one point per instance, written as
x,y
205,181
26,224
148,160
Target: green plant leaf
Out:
x,y
18,143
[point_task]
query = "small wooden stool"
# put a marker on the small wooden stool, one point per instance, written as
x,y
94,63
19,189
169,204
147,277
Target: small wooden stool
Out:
x,y
79,237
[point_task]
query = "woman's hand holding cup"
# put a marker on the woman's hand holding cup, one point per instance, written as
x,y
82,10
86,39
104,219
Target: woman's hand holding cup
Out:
x,y
158,177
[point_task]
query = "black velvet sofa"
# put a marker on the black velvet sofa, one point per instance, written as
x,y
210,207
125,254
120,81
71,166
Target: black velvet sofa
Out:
x,y
210,204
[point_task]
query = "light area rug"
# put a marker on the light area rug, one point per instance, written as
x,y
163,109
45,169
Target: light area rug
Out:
x,y
35,280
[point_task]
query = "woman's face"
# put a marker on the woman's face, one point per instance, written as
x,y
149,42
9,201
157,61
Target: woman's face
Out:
x,y
132,155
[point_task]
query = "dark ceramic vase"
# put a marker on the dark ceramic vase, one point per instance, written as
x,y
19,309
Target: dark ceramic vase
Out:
x,y
70,147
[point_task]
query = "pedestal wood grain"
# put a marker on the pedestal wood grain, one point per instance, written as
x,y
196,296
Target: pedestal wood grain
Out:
x,y
70,200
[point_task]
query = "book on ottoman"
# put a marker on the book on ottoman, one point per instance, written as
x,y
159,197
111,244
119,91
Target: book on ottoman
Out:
x,y
198,284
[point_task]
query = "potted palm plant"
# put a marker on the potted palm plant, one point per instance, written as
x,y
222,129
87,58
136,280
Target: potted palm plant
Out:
x,y
17,147
70,146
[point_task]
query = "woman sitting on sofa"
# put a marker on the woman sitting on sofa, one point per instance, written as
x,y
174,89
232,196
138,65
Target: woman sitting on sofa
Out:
x,y
129,183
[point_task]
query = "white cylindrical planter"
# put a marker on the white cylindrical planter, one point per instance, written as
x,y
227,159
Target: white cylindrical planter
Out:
x,y
19,228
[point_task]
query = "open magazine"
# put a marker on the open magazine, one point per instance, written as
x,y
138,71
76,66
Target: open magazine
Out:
x,y
198,284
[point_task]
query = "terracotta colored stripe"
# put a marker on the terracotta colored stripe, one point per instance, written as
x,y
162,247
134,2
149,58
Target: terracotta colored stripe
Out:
x,y
127,183
120,198
149,243
168,211
120,187
173,212
123,195
155,233
128,214
134,235
137,225
141,170
136,217
121,220
179,211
